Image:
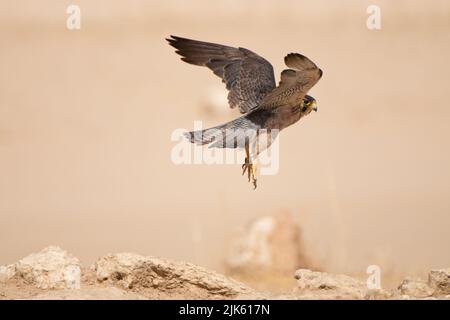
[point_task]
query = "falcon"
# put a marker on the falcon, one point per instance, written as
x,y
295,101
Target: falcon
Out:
x,y
265,107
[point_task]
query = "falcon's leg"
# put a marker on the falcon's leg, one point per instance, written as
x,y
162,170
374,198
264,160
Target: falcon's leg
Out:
x,y
254,170
249,166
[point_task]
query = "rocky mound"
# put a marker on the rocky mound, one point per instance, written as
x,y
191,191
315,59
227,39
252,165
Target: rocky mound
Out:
x,y
55,274
162,278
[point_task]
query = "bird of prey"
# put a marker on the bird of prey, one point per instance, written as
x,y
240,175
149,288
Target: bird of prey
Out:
x,y
249,78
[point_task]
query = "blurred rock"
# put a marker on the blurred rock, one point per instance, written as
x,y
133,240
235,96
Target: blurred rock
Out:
x,y
415,288
271,244
214,101
51,268
439,280
437,286
160,278
321,285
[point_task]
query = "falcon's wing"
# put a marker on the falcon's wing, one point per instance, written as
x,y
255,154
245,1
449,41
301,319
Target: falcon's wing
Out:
x,y
295,82
247,76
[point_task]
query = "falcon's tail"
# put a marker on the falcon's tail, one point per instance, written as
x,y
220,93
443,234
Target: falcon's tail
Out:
x,y
234,134
201,137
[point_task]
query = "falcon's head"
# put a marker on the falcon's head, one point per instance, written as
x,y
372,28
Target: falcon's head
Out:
x,y
309,104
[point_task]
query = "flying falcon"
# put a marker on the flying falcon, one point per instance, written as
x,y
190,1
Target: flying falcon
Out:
x,y
249,78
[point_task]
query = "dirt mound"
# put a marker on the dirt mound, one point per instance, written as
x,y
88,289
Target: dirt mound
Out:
x,y
322,285
55,274
161,278
438,285
51,268
115,276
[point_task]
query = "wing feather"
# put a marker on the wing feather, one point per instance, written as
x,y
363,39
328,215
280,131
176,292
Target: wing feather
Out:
x,y
247,76
295,82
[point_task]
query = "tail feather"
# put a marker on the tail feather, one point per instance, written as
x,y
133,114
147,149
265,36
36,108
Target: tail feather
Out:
x,y
202,137
235,134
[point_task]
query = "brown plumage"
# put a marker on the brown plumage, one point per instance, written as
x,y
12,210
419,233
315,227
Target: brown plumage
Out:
x,y
247,76
250,81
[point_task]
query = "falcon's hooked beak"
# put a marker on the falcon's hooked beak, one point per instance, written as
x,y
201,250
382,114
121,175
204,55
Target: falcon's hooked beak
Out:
x,y
309,104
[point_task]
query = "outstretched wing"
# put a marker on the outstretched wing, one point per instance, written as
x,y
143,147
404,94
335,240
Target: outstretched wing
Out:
x,y
247,76
294,83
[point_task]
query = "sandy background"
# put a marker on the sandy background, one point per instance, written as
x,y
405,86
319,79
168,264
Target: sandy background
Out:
x,y
86,118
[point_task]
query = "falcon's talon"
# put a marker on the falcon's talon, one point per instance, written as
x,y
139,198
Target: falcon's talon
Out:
x,y
254,171
250,168
246,166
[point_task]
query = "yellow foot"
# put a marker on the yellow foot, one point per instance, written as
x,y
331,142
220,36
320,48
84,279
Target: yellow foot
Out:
x,y
251,171
254,175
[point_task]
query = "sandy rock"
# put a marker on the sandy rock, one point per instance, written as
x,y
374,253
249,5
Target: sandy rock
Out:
x,y
7,272
330,285
271,244
439,280
160,278
415,288
51,268
321,285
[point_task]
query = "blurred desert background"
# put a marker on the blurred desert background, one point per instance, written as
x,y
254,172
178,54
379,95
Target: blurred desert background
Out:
x,y
86,118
